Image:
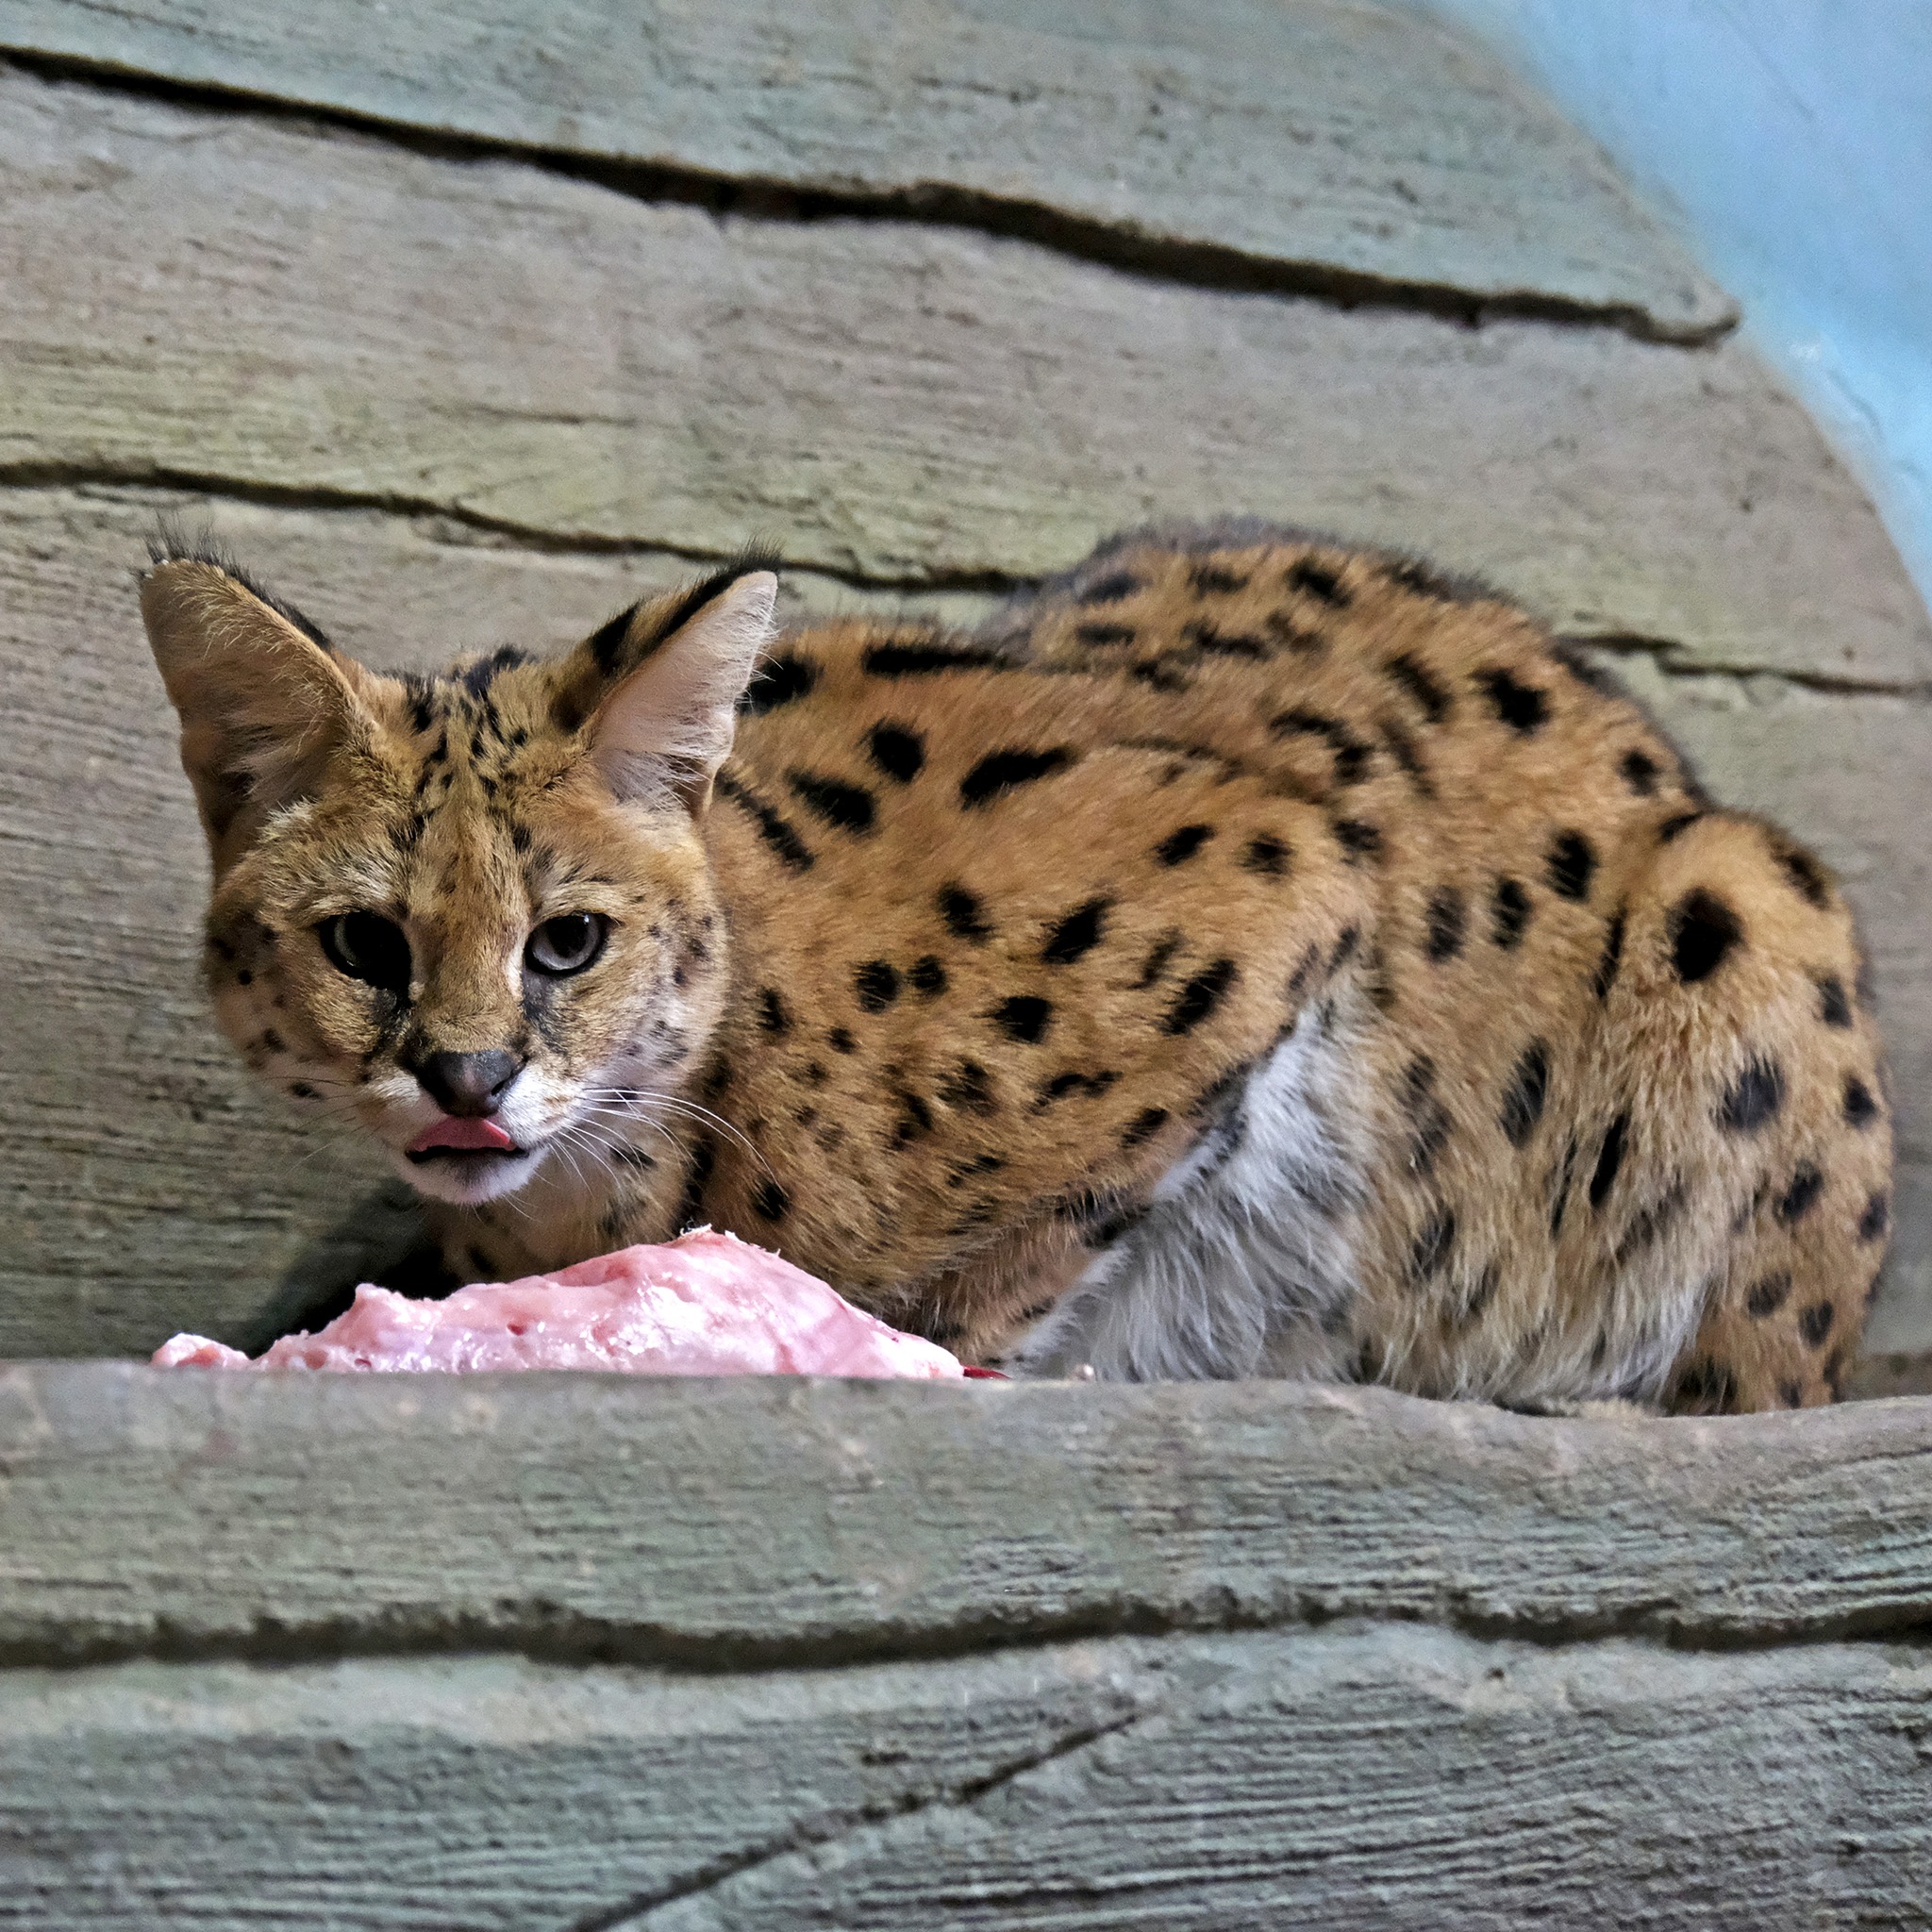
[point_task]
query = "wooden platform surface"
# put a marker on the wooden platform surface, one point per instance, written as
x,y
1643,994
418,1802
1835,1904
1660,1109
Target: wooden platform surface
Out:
x,y
586,1651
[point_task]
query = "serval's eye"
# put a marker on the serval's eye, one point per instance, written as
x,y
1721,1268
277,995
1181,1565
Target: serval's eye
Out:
x,y
567,943
365,945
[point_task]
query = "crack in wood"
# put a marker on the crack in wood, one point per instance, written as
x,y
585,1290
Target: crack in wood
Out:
x,y
635,1912
1116,245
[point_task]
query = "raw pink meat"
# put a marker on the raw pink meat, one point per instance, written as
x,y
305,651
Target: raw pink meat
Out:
x,y
703,1305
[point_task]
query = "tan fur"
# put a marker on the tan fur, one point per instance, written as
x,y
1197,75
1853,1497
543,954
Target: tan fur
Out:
x,y
935,1019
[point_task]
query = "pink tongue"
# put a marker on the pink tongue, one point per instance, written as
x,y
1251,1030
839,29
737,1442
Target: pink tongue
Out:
x,y
461,1134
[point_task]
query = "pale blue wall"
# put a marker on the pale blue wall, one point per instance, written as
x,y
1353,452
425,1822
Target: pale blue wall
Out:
x,y
1790,141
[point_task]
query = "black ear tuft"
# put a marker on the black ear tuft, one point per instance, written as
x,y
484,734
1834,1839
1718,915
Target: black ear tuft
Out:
x,y
171,545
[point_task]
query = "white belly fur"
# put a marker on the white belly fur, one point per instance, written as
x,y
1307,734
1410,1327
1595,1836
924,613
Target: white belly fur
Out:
x,y
1244,1264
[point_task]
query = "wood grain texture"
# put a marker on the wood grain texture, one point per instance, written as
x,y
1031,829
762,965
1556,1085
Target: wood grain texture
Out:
x,y
197,296
489,1792
1344,140
785,1521
1400,1777
150,1188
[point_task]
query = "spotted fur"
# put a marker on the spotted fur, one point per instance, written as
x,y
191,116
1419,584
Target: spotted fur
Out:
x,y
1242,955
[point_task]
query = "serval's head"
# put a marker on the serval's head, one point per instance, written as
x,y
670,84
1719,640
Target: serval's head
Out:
x,y
473,912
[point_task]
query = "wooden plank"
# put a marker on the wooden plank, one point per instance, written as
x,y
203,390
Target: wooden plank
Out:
x,y
1409,1779
1351,144
1188,1782
791,1522
906,405
489,1792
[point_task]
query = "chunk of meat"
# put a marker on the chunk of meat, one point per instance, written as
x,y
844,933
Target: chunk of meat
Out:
x,y
703,1305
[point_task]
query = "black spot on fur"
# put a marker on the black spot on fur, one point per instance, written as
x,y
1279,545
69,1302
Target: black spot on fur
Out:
x,y
1876,1219
1814,1325
1510,913
1429,1256
1609,1160
1217,642
697,1178
1834,1008
1217,579
1675,828
1862,1109
1351,754
780,680
963,1170
1180,846
1143,1127
915,1118
607,640
965,917
1529,1086
1650,1221
1702,930
877,984
777,831
1428,1117
1291,636
1303,976
772,1014
928,976
1112,589
897,751
1024,1017
848,807
1560,1198
1000,771
1076,933
968,1087
1571,866
925,660
1640,772
1768,1296
1359,839
1318,582
1199,997
1753,1099
1521,707
842,1040
1265,855
1801,1196
1159,676
1705,1388
1346,941
1421,686
476,678
771,1202
1612,956
1448,918
1806,874
1402,748
1071,1081
1159,958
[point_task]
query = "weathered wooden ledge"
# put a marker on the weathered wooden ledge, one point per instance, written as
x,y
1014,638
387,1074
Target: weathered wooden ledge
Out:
x,y
591,1653
760,1524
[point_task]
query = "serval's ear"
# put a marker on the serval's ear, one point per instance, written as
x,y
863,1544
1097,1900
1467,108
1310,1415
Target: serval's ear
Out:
x,y
657,687
265,700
